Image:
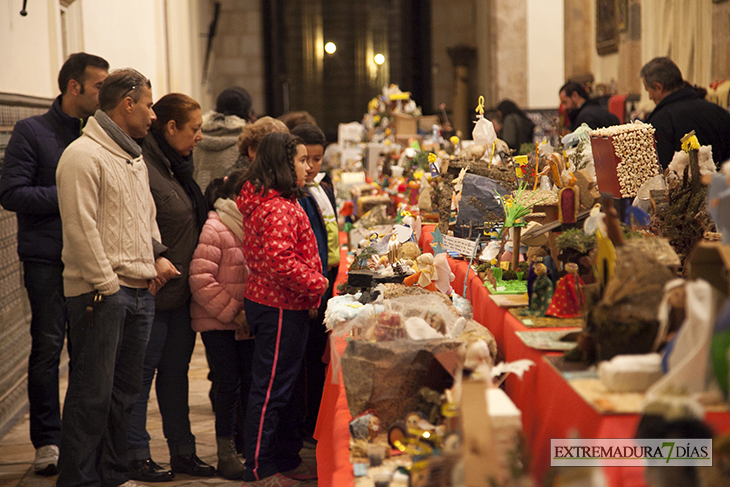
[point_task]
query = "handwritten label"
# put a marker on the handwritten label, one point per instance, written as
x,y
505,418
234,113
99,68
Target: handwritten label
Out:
x,y
460,245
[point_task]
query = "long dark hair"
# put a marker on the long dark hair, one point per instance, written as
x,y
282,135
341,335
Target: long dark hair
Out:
x,y
507,106
273,167
225,187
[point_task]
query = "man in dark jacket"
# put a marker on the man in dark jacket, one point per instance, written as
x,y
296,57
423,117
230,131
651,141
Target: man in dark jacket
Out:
x,y
28,187
680,110
582,109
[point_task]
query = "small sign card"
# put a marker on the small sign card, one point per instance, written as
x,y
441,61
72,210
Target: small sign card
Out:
x,y
460,245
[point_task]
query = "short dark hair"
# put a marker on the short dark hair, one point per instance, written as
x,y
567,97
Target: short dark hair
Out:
x,y
292,119
173,106
310,134
75,68
234,101
273,167
572,87
662,70
119,84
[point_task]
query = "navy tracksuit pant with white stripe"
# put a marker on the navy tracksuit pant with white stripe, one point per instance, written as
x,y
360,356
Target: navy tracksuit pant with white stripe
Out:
x,y
271,441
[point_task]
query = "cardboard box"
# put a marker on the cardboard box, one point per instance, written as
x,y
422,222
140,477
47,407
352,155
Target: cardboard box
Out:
x,y
405,124
710,261
426,123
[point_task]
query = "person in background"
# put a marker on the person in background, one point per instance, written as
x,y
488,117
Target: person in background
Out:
x,y
321,209
581,108
283,292
111,256
292,119
218,151
28,187
217,280
680,110
250,138
181,213
517,128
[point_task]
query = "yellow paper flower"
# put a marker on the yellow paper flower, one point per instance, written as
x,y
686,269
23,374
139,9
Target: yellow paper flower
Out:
x,y
690,142
454,139
432,158
376,118
493,261
417,174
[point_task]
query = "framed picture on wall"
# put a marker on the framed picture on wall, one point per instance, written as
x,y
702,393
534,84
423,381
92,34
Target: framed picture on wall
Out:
x,y
606,27
622,12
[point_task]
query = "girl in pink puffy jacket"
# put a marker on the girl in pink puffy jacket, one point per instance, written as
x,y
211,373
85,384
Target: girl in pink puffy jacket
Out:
x,y
218,275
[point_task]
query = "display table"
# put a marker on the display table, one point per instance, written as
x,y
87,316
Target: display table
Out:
x,y
550,406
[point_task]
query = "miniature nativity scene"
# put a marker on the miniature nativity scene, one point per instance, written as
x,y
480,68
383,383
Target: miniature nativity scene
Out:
x,y
587,245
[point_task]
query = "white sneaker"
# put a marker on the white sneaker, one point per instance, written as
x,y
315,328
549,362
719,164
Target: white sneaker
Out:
x,y
131,483
46,460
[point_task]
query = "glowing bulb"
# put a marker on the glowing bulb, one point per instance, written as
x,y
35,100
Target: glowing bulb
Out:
x,y
379,59
330,48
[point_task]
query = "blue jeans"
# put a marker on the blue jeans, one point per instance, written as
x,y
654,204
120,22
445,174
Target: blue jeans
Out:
x,y
44,283
231,360
107,355
271,441
168,353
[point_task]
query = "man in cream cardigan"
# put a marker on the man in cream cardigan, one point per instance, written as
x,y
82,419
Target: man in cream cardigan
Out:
x,y
110,254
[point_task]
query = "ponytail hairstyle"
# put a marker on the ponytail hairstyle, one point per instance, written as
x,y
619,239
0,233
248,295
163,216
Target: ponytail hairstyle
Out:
x,y
273,167
173,106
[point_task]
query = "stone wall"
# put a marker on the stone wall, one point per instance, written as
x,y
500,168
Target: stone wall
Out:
x,y
720,41
237,56
454,24
14,308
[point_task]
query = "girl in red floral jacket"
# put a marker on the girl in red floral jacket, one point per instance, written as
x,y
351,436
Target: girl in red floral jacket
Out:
x,y
283,289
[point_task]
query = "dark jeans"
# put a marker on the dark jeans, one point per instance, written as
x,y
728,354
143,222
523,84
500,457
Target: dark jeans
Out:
x,y
107,356
168,353
271,441
231,360
44,283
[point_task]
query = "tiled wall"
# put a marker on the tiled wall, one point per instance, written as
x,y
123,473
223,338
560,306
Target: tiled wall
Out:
x,y
14,308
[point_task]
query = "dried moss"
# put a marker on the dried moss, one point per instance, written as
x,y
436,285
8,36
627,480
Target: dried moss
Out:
x,y
576,239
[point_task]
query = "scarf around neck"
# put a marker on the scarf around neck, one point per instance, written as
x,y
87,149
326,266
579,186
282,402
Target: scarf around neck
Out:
x,y
182,168
118,135
230,216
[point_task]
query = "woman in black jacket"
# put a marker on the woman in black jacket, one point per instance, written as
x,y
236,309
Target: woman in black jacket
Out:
x,y
517,129
181,213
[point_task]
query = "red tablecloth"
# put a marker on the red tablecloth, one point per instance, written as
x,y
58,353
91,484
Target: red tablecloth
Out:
x,y
331,432
549,405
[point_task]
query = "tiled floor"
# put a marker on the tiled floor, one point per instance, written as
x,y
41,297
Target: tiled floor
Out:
x,y
17,453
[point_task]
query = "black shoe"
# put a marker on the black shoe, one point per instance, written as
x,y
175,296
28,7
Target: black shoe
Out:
x,y
149,471
192,465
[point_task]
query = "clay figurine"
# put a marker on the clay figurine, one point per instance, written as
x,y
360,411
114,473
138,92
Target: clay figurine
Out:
x,y
542,292
365,426
568,202
568,298
426,276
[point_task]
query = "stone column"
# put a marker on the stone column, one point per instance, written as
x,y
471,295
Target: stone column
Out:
x,y
462,57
